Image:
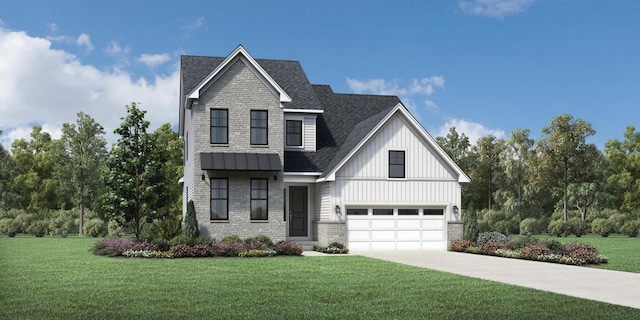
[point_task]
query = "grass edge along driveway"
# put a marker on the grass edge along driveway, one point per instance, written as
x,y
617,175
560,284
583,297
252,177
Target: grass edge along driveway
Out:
x,y
54,278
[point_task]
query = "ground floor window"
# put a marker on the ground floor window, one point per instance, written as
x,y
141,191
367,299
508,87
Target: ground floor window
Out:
x,y
259,194
219,199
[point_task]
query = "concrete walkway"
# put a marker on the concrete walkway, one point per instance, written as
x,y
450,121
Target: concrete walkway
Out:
x,y
616,287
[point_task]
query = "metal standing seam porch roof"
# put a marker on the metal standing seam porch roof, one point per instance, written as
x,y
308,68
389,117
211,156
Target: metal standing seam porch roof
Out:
x,y
240,161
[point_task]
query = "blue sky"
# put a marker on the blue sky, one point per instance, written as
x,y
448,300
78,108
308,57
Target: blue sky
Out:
x,y
483,66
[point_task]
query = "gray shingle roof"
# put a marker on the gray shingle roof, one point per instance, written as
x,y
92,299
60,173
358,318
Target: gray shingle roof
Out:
x,y
346,120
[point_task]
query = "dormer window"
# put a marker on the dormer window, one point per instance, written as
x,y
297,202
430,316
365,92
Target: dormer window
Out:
x,y
294,133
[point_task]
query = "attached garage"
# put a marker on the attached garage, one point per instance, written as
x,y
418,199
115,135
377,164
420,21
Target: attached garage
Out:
x,y
396,228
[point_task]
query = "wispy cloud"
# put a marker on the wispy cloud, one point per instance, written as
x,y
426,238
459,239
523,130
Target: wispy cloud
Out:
x,y
83,40
153,60
494,8
192,26
120,54
471,129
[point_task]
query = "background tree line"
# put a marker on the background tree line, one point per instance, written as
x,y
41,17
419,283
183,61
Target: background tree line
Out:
x,y
75,185
560,184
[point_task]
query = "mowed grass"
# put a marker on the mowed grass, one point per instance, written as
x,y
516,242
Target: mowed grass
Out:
x,y
623,251
55,278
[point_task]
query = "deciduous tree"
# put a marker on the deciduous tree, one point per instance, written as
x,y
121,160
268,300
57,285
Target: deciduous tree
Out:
x,y
624,158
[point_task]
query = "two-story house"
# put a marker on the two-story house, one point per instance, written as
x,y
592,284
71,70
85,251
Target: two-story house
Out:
x,y
266,152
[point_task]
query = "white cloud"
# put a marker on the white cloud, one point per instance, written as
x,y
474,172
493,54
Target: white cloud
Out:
x,y
121,55
194,24
423,86
473,130
53,27
431,105
84,40
494,8
48,87
153,60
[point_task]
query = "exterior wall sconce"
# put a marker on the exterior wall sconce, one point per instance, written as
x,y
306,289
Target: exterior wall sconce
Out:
x,y
337,209
455,210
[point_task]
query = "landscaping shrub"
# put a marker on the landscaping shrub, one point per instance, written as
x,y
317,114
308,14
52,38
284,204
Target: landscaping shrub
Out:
x,y
533,250
470,220
531,226
24,220
631,228
202,239
114,229
61,225
258,253
618,220
333,248
231,239
250,244
521,242
602,226
506,227
9,226
582,251
169,227
38,228
117,246
162,244
95,227
288,248
190,222
261,238
147,254
460,245
559,228
578,227
491,247
506,253
181,239
553,245
491,237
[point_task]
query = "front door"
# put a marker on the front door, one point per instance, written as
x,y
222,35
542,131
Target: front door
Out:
x,y
298,217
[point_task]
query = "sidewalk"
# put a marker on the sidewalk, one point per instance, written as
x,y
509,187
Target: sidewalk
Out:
x,y
615,287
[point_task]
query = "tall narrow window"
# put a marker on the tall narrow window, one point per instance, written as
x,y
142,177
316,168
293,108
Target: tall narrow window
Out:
x,y
219,126
396,164
259,193
294,133
259,127
219,199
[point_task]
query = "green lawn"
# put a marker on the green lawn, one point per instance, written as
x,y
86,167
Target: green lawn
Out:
x,y
54,278
623,251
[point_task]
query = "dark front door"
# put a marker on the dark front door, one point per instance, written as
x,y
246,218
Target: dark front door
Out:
x,y
298,217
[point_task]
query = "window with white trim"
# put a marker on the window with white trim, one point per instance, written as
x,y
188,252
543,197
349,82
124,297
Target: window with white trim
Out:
x,y
396,164
294,133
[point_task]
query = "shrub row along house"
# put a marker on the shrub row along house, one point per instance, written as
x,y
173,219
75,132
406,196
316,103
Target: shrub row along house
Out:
x,y
266,152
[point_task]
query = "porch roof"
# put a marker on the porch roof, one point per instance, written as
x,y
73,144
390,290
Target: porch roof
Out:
x,y
240,161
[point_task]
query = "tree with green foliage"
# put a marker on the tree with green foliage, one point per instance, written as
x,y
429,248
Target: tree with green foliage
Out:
x,y
82,153
516,194
35,182
6,178
488,150
135,188
457,146
191,222
624,157
565,156
168,140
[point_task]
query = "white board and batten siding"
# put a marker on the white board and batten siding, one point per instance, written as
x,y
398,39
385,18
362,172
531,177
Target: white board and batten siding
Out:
x,y
429,184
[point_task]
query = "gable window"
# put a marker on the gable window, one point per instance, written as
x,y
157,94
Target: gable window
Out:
x,y
396,164
219,199
259,192
219,126
294,133
259,127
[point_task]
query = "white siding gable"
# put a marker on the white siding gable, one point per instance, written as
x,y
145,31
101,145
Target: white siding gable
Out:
x,y
421,160
308,131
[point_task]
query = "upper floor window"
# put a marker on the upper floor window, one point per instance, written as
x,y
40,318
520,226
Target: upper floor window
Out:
x,y
396,164
294,133
219,199
259,127
259,196
219,126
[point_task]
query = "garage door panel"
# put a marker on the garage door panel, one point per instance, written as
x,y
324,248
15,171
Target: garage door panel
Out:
x,y
433,224
383,235
358,224
408,234
433,235
408,224
383,224
355,235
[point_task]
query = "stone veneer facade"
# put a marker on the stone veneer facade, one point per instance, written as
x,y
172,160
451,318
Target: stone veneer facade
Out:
x,y
238,90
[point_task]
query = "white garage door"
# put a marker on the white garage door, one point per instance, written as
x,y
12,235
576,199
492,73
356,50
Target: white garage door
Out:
x,y
396,229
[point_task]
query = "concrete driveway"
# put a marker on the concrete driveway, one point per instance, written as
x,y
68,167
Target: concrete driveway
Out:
x,y
616,287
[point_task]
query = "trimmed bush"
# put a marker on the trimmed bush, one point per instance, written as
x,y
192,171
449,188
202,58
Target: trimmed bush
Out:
x,y
261,238
631,228
460,245
288,248
531,226
9,226
603,227
38,228
559,228
506,227
578,227
618,220
519,243
114,229
491,247
231,239
169,227
191,222
95,227
553,245
24,220
582,251
181,239
491,237
61,225
333,248
533,250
